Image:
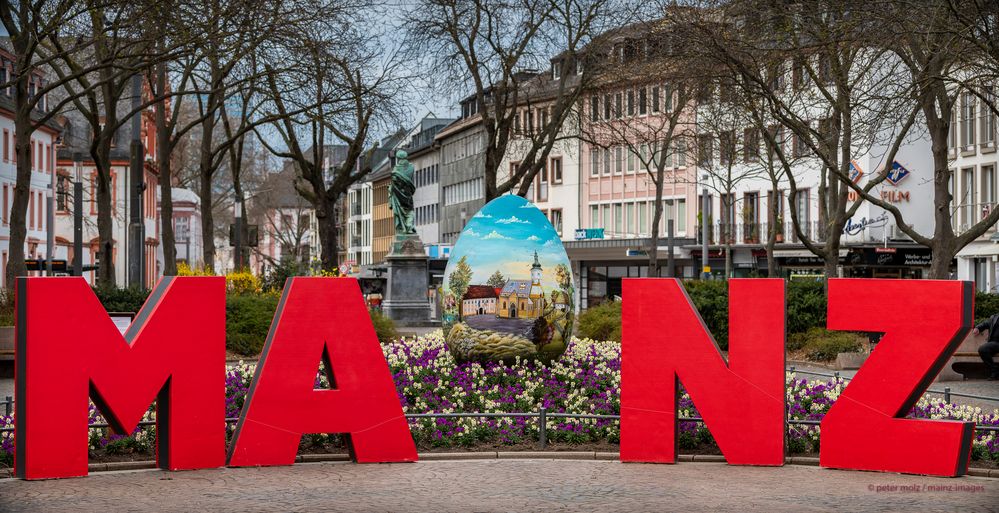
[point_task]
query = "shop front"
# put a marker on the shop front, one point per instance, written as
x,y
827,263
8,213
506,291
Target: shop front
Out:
x,y
601,265
908,262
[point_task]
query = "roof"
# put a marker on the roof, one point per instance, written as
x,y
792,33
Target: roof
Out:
x,y
179,194
516,286
479,292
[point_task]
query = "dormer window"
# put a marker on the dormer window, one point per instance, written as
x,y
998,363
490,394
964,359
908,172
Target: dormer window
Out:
x,y
556,69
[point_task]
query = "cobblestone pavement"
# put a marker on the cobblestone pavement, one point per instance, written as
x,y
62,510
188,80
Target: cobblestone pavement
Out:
x,y
501,485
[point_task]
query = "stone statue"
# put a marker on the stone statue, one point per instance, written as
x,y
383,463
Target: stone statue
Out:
x,y
401,195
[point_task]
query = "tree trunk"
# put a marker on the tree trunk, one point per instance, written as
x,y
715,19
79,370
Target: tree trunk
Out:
x,y
19,207
943,247
328,232
22,149
164,149
657,213
772,234
207,222
106,275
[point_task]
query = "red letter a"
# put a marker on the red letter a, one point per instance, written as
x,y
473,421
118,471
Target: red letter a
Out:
x,y
321,318
68,349
665,342
923,323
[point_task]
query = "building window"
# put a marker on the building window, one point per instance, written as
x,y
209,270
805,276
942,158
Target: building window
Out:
x,y
655,98
557,220
619,160
543,184
967,120
607,106
594,162
594,109
618,219
704,150
989,120
617,105
804,212
557,170
607,161
681,215
643,99
750,144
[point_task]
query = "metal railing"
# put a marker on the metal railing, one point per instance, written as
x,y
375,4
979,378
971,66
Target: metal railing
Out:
x,y
758,232
542,415
946,392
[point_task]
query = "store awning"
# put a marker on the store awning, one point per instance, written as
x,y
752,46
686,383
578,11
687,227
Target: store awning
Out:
x,y
979,249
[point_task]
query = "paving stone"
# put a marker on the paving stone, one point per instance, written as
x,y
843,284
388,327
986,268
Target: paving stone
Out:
x,y
500,485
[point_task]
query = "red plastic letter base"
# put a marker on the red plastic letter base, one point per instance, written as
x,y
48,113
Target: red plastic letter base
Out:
x,y
665,343
923,323
321,319
68,349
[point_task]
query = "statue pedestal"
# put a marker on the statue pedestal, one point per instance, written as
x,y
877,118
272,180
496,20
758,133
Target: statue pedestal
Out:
x,y
406,300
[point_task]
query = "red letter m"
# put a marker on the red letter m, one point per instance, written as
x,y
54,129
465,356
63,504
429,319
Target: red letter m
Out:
x,y
666,343
69,350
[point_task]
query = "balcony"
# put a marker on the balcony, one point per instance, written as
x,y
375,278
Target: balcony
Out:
x,y
757,233
967,215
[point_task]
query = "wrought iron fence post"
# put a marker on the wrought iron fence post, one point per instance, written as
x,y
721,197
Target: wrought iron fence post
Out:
x,y
8,405
947,394
543,426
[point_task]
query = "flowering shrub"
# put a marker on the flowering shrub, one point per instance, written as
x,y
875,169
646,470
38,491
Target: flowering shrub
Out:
x,y
586,379
242,282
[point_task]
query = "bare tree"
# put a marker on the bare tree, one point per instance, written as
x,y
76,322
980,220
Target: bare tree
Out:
x,y
29,25
642,101
950,49
343,84
494,48
846,95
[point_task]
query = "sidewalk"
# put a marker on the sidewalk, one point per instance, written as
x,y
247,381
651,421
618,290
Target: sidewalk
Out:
x,y
503,485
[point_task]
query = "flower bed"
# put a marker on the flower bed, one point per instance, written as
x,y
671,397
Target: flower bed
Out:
x,y
585,380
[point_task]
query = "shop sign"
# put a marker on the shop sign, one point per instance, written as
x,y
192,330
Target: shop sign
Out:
x,y
897,173
891,257
589,233
853,228
856,173
173,354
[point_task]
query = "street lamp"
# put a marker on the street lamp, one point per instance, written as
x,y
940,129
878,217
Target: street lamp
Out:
x,y
705,207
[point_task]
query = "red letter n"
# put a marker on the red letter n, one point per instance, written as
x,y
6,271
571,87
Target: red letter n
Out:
x,y
665,343
923,323
321,319
69,350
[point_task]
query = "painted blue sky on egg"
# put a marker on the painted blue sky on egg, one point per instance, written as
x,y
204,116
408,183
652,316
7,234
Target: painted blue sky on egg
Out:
x,y
503,236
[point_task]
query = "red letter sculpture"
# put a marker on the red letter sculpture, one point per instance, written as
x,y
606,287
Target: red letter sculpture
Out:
x,y
68,349
665,343
321,319
923,323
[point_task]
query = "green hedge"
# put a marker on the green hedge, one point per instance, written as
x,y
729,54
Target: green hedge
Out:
x,y
601,322
247,321
806,308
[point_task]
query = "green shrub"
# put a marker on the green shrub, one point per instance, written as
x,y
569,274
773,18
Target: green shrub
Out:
x,y
822,345
384,326
711,300
6,307
602,322
284,269
116,299
247,320
806,306
986,305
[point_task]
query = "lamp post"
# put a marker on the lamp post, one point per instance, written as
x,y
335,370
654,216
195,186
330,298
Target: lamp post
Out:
x,y
705,214
77,216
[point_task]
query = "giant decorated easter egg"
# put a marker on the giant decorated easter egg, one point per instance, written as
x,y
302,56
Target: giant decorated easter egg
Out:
x,y
508,287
